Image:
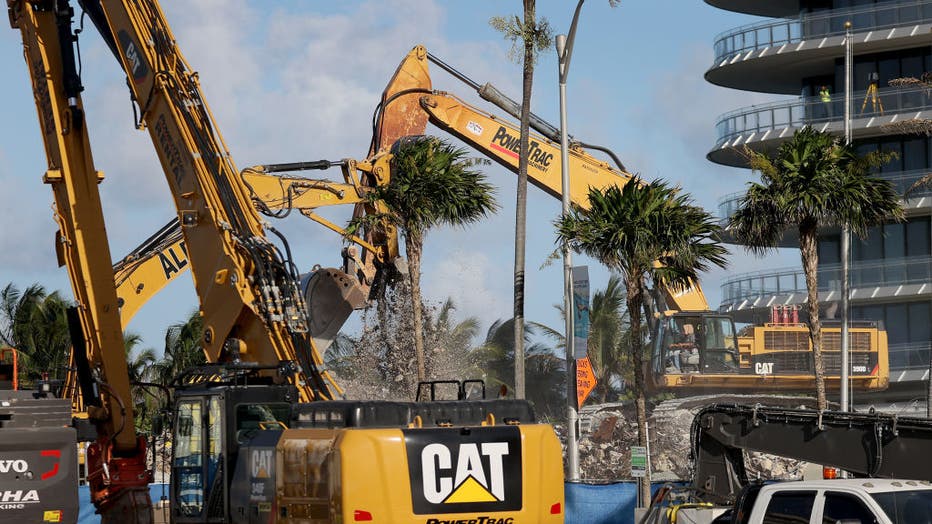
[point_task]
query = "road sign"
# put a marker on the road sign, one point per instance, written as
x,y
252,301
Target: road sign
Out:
x,y
580,311
585,380
638,461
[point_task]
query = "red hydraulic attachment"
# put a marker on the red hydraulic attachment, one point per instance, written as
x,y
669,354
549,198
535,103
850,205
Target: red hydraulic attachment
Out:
x,y
110,475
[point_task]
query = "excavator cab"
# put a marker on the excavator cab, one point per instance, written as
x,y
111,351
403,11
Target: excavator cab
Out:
x,y
696,342
221,410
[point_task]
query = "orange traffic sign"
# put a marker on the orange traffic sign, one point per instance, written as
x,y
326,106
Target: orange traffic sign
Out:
x,y
585,380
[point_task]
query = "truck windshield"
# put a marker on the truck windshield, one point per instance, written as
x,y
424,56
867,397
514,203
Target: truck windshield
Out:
x,y
906,507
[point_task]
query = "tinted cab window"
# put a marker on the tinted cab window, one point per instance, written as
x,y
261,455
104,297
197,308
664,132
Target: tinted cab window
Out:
x,y
906,506
842,506
789,507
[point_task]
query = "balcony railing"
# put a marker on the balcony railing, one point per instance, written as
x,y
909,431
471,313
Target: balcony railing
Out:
x,y
820,25
901,180
911,355
803,111
728,205
880,273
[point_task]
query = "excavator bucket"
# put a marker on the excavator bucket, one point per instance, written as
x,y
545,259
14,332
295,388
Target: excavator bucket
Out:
x,y
331,296
400,113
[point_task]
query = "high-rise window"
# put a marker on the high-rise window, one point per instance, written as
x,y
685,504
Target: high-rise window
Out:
x,y
908,324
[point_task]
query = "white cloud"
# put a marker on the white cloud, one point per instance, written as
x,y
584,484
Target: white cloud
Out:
x,y
473,282
27,236
679,119
290,83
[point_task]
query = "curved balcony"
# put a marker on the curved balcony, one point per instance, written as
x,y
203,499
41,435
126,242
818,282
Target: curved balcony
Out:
x,y
763,127
902,181
896,277
771,8
728,205
773,56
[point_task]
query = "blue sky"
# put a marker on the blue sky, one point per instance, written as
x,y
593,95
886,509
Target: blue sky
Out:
x,y
293,80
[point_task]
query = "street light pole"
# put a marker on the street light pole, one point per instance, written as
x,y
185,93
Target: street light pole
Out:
x,y
845,230
564,46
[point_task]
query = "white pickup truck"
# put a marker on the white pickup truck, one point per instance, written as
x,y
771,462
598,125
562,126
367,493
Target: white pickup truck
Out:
x,y
868,501
850,501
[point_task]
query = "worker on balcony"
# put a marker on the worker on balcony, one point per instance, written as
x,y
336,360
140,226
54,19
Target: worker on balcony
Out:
x,y
826,98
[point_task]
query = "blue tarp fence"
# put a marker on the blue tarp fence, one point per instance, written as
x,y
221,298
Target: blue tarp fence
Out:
x,y
585,503
602,503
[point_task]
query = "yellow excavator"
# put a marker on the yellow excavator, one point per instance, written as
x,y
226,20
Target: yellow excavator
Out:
x,y
147,269
257,435
44,489
694,348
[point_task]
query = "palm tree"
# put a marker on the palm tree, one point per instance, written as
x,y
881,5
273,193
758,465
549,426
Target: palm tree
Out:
x,y
448,343
925,181
35,322
139,367
14,305
534,36
608,338
546,373
608,326
812,181
138,363
631,228
432,183
183,349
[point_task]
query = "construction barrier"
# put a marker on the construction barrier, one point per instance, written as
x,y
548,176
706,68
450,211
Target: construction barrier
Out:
x,y
610,503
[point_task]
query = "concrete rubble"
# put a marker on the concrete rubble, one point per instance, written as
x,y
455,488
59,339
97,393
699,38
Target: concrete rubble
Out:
x,y
607,431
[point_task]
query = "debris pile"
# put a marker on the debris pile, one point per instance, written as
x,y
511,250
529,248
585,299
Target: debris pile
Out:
x,y
607,432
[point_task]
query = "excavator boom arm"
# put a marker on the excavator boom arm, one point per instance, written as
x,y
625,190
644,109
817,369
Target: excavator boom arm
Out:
x,y
866,444
117,471
81,241
499,140
248,287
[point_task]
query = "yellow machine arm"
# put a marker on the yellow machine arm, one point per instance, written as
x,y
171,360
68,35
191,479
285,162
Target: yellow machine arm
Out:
x,y
276,196
117,469
163,257
142,274
498,139
81,241
252,305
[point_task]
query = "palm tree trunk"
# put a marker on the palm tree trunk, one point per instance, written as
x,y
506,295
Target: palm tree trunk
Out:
x,y
635,299
530,20
413,249
810,258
